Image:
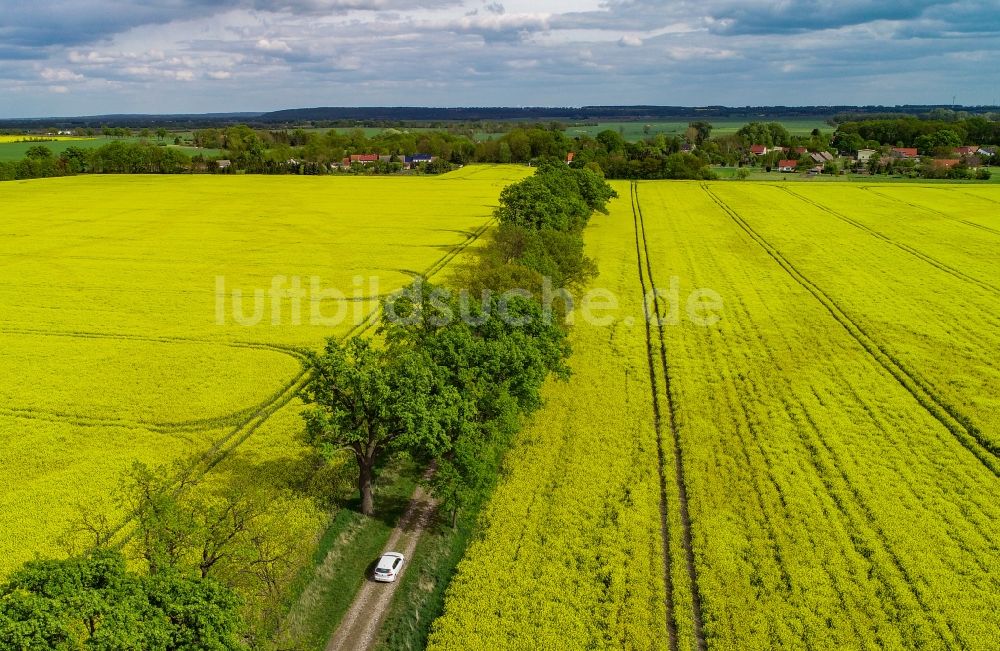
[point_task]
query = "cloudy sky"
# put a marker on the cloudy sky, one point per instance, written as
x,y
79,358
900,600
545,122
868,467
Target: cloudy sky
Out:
x,y
73,57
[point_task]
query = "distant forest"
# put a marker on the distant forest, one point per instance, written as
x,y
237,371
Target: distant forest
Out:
x,y
375,116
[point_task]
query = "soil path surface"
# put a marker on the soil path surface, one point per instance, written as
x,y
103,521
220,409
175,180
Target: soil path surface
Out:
x,y
359,628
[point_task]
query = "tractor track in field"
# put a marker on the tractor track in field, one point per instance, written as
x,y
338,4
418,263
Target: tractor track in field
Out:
x,y
827,471
951,188
225,446
988,229
942,266
646,273
960,426
664,534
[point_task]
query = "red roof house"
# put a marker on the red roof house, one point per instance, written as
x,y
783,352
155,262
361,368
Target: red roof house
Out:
x,y
787,165
967,150
801,150
758,150
364,158
904,152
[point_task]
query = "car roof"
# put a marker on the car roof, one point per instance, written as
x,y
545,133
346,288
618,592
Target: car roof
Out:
x,y
388,558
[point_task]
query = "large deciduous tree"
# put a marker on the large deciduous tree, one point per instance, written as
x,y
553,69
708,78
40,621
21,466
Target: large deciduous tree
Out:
x,y
375,400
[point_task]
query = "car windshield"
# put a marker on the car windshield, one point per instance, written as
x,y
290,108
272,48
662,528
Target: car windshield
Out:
x,y
382,570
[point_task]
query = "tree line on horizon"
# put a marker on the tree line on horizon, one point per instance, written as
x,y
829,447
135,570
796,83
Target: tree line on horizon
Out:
x,y
656,156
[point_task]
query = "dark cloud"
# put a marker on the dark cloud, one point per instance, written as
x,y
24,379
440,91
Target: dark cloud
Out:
x,y
45,23
756,17
263,54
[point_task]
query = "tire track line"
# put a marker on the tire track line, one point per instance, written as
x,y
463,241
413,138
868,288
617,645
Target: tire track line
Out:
x,y
954,421
829,467
657,417
988,229
228,444
904,247
686,537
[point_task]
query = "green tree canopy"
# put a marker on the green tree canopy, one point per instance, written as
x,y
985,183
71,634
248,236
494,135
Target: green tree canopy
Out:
x,y
375,400
93,601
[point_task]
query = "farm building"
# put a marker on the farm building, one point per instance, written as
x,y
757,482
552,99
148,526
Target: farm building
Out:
x,y
416,159
904,152
864,155
787,165
758,150
364,159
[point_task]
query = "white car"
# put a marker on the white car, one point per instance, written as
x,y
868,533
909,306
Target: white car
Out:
x,y
389,567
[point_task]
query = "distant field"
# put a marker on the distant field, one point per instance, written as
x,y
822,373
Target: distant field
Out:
x,y
758,174
36,138
109,318
13,150
640,130
635,130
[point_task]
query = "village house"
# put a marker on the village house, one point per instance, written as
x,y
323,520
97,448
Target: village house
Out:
x,y
864,155
966,150
364,159
787,165
904,152
416,159
761,150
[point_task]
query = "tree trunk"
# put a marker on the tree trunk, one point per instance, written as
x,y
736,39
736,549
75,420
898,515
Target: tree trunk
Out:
x,y
365,472
454,517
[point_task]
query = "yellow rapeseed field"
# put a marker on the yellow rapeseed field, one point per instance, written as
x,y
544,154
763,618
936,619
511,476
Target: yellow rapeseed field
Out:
x,y
828,449
37,138
150,318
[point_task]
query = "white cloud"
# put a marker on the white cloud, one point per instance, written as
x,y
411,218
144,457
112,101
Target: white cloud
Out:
x,y
60,74
272,45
